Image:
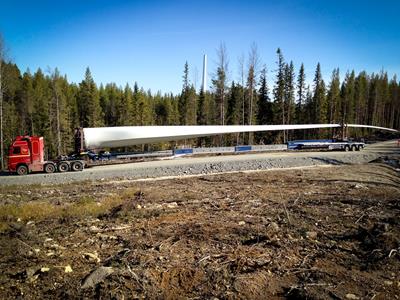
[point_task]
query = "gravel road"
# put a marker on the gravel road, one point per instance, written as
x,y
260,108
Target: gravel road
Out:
x,y
207,165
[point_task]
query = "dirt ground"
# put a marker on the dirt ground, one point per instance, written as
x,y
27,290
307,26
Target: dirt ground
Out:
x,y
313,233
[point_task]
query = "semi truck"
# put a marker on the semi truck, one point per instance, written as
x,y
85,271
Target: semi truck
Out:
x,y
26,155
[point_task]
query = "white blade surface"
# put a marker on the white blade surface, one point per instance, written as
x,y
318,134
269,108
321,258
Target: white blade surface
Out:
x,y
102,137
370,126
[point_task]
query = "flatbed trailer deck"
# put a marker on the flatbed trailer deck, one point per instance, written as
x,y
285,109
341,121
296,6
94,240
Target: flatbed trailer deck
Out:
x,y
326,144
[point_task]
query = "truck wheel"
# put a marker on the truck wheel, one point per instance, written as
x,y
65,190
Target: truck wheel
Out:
x,y
63,167
347,148
49,168
353,148
358,148
77,166
22,170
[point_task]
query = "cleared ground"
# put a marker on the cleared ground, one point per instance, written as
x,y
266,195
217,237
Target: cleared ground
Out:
x,y
328,232
207,165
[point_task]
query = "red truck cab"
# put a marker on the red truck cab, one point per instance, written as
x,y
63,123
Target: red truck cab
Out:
x,y
26,154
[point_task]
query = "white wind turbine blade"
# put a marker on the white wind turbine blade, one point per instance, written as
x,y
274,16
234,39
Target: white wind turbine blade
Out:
x,y
102,137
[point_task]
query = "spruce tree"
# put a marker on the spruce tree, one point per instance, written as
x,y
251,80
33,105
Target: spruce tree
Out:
x,y
289,105
333,98
201,109
319,104
88,102
184,98
279,92
265,110
301,96
219,83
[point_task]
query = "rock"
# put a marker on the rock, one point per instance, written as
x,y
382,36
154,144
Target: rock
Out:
x,y
44,269
388,282
106,237
312,235
172,205
68,269
352,297
94,229
96,277
242,223
92,256
360,186
31,271
273,226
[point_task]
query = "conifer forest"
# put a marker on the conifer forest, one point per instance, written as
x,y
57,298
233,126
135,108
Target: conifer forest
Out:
x,y
45,103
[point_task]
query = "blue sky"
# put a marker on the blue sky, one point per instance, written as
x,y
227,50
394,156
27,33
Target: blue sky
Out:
x,y
149,41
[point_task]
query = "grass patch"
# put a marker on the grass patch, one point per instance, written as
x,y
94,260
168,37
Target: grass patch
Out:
x,y
39,210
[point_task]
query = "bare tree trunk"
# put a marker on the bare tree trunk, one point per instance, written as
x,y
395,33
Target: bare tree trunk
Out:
x,y
254,61
1,114
1,109
241,64
58,125
57,102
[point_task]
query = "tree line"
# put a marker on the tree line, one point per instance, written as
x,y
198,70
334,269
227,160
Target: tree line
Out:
x,y
45,103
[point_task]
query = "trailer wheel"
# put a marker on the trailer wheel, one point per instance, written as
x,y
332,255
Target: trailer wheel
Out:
x,y
77,166
22,170
63,166
358,147
353,148
49,168
347,148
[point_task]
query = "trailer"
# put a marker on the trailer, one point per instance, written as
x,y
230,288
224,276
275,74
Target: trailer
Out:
x,y
332,144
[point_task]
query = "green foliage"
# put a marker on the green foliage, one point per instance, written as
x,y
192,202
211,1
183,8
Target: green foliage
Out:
x,y
50,106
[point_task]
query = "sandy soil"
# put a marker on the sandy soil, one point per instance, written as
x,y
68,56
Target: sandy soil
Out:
x,y
315,233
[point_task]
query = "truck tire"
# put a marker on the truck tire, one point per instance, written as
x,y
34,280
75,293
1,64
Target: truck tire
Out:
x,y
63,167
358,147
49,168
22,170
77,166
353,148
347,148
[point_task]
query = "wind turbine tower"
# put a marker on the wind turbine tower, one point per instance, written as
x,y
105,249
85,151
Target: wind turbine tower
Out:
x,y
204,80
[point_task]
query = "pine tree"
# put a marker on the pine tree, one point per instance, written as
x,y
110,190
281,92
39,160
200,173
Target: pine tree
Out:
x,y
394,107
360,99
26,106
